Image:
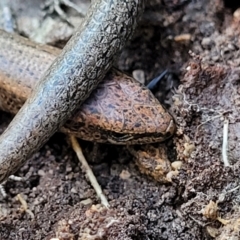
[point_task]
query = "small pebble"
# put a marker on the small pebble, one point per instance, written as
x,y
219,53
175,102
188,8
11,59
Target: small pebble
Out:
x,y
41,173
69,169
125,174
236,14
86,201
207,42
176,165
183,37
139,76
74,190
171,174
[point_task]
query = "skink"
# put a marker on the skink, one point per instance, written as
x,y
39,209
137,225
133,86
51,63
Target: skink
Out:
x,y
69,81
119,111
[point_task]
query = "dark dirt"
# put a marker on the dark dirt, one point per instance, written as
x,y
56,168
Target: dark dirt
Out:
x,y
202,202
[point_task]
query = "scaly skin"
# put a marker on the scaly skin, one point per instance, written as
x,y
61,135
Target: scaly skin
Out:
x,y
114,113
69,81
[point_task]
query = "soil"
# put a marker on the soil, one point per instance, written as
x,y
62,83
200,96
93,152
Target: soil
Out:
x,y
198,42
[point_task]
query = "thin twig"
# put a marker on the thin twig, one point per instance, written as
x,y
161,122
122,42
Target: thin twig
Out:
x,y
221,114
74,6
25,206
234,189
76,147
16,178
225,143
211,119
2,189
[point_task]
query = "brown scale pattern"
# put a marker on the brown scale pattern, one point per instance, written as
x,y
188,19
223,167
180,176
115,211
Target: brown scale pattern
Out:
x,y
123,107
